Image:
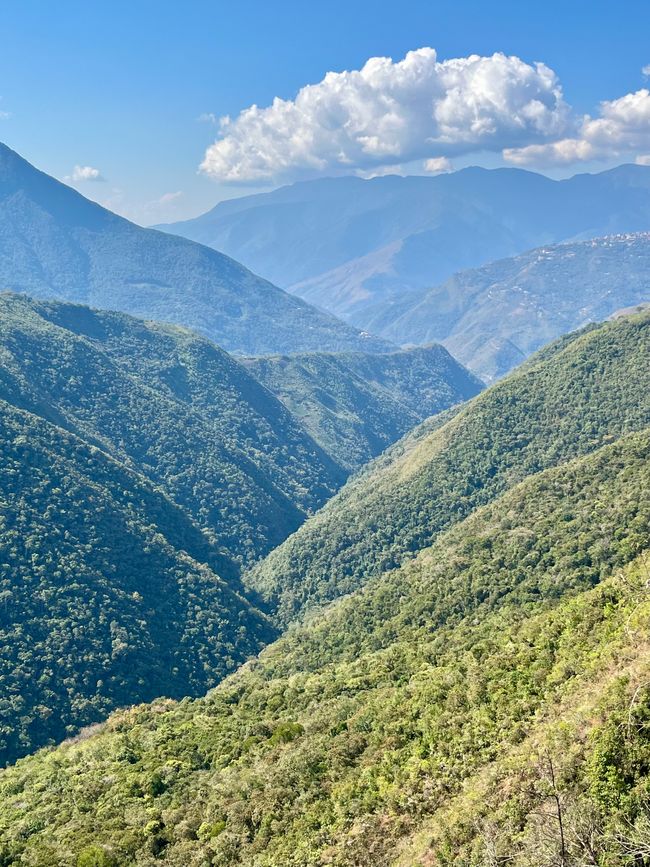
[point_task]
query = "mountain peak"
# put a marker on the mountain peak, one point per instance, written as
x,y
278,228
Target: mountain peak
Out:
x,y
55,243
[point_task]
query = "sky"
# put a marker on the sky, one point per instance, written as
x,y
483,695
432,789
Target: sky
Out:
x,y
124,100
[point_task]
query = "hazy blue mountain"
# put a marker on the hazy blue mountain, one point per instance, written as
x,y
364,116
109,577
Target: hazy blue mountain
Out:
x,y
54,243
355,247
491,318
356,404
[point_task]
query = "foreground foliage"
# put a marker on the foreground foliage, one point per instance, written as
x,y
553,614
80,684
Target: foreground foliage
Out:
x,y
384,729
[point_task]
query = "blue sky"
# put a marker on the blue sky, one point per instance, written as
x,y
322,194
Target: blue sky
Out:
x,y
120,87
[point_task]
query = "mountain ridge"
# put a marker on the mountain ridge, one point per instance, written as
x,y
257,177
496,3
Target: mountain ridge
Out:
x,y
356,247
55,243
542,414
493,317
357,404
357,733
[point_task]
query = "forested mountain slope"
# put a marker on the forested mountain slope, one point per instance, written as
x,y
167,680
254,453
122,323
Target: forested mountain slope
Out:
x,y
54,243
357,247
493,317
142,467
430,719
108,591
357,404
567,401
176,408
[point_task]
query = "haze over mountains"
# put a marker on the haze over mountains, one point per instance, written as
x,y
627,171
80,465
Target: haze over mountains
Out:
x,y
54,243
325,515
356,247
395,658
493,317
490,676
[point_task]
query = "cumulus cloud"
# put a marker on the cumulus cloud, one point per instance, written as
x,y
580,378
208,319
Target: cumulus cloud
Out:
x,y
621,127
208,117
85,173
389,113
643,160
646,70
438,165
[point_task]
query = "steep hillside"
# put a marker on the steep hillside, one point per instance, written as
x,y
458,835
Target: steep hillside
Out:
x,y
56,244
360,247
493,317
142,468
357,404
566,402
106,587
429,720
174,407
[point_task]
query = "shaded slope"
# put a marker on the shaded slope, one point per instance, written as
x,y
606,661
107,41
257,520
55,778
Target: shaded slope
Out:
x,y
354,730
56,244
106,593
176,408
582,391
357,404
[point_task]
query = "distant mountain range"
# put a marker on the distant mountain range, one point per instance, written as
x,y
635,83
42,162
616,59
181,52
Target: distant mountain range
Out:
x,y
493,317
357,247
54,243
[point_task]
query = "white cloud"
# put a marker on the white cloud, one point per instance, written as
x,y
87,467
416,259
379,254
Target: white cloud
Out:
x,y
621,128
646,70
168,198
643,160
438,165
85,173
392,112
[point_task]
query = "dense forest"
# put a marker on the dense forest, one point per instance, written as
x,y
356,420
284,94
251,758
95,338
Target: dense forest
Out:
x,y
576,395
219,651
108,595
143,468
174,407
357,404
458,706
341,561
